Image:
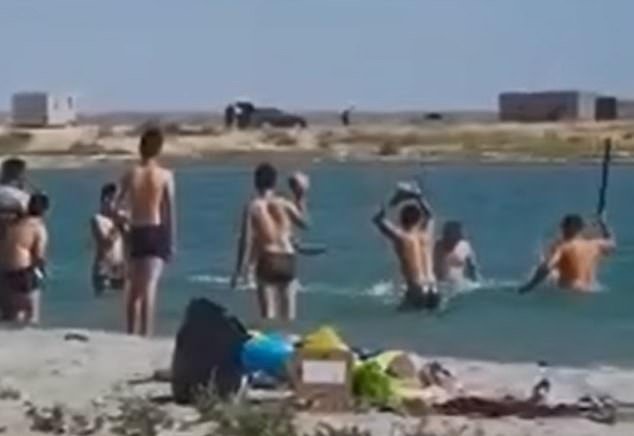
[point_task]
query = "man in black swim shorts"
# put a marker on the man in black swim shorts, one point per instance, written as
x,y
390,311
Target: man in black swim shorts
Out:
x,y
266,243
148,191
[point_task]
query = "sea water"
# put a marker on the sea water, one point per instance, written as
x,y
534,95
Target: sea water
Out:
x,y
509,212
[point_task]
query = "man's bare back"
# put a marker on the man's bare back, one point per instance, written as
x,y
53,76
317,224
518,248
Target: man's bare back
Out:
x,y
575,262
574,259
23,245
148,192
266,246
148,186
411,248
412,241
22,257
271,222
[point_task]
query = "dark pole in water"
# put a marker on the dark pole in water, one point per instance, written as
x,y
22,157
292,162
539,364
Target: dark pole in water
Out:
x,y
605,172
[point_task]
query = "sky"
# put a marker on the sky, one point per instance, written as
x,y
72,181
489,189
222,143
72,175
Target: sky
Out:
x,y
312,54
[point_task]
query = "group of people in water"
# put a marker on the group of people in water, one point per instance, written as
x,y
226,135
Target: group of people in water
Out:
x,y
135,236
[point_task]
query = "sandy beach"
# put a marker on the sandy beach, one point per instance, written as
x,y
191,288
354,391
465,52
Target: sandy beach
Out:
x,y
89,374
485,142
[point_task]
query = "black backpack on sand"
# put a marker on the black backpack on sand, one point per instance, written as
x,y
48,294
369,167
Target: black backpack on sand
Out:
x,y
207,352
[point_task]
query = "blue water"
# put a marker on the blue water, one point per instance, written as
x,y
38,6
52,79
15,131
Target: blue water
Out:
x,y
509,212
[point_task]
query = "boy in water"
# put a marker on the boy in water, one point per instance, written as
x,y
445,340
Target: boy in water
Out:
x,y
108,230
412,241
148,190
454,258
266,240
22,260
574,259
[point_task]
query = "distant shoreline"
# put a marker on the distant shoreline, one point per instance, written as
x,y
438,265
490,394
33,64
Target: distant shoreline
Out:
x,y
78,161
379,143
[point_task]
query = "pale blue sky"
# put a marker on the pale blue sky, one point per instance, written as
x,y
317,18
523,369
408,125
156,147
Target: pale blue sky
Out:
x,y
379,54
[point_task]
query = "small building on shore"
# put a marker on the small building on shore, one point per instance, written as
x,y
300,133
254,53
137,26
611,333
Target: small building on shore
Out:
x,y
41,109
556,106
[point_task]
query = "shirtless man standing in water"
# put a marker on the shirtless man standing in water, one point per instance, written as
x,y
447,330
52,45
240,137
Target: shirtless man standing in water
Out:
x,y
266,238
575,258
22,261
413,244
108,229
148,191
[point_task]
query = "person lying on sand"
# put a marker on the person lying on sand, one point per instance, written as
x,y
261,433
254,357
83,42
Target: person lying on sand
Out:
x,y
108,229
454,258
574,259
412,241
22,259
148,189
266,240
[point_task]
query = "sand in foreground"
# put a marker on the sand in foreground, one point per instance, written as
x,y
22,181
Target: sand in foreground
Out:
x,y
47,369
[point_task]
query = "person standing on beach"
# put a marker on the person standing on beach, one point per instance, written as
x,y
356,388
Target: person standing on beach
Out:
x,y
412,241
22,260
108,230
454,258
266,240
574,259
148,190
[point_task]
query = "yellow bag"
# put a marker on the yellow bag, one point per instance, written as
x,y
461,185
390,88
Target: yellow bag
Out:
x,y
324,339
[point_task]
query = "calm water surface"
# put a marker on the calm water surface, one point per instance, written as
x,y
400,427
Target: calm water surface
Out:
x,y
509,212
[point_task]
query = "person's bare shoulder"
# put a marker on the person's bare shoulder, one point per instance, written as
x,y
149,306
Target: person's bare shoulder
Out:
x,y
166,172
35,225
254,207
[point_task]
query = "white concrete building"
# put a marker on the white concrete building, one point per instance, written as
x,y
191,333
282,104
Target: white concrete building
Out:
x,y
40,109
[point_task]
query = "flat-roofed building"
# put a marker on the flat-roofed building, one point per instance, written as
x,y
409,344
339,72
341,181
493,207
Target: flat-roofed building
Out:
x,y
41,109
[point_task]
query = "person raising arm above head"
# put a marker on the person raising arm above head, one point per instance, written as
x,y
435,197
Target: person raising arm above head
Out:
x,y
411,240
266,243
574,258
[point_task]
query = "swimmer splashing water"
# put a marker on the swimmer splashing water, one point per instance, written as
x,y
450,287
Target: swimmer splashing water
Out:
x,y
575,257
412,240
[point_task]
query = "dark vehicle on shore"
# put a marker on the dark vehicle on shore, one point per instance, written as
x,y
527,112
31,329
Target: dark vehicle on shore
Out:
x,y
245,115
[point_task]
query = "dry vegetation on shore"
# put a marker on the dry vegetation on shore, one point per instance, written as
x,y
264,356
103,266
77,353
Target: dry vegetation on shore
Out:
x,y
433,141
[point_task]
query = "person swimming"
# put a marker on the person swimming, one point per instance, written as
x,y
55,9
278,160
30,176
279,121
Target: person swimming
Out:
x,y
108,230
454,257
412,241
574,259
148,190
22,260
266,243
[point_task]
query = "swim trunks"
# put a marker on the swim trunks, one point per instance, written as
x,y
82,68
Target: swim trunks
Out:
x,y
24,280
149,241
278,268
419,297
106,276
